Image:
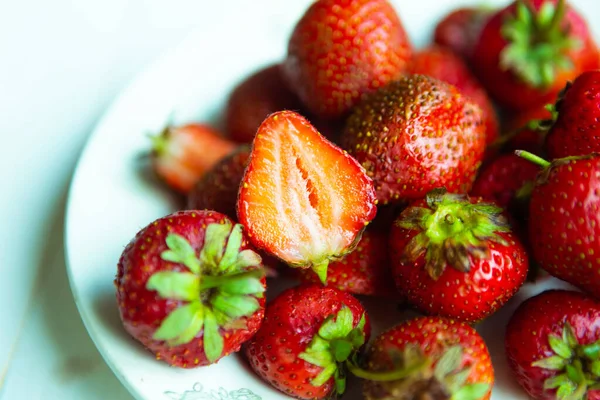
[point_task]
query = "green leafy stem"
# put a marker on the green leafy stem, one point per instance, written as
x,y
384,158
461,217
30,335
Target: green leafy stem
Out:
x,y
219,287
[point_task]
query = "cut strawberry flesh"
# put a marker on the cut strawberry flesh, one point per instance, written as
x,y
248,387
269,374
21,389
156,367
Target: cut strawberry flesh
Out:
x,y
303,199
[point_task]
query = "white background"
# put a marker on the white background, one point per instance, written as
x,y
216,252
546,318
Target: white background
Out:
x,y
61,64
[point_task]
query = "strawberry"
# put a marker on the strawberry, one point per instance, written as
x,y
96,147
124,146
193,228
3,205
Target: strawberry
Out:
x,y
308,334
261,94
500,181
442,359
553,346
528,51
302,198
576,131
342,49
190,288
460,29
507,181
414,135
181,155
564,219
217,190
443,64
456,257
365,271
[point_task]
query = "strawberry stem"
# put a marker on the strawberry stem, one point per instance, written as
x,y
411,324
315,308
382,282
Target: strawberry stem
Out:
x,y
321,270
533,158
217,287
452,231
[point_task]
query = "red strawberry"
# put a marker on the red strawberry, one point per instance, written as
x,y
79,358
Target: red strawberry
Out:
x,y
456,257
365,271
189,288
576,131
414,135
553,346
500,181
443,64
181,155
564,220
507,181
217,190
302,198
442,359
342,49
254,99
460,30
308,334
527,130
529,50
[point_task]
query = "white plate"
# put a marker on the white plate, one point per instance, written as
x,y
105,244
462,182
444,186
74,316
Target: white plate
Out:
x,y
110,200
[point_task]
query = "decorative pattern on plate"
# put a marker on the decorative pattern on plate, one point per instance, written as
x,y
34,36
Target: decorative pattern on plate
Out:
x,y
199,393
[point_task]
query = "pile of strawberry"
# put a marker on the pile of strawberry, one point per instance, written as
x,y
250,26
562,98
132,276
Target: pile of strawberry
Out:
x,y
405,186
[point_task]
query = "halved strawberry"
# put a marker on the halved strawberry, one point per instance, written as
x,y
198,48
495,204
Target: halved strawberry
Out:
x,y
182,154
302,198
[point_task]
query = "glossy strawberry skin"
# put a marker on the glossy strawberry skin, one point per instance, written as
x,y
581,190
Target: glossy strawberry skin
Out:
x,y
432,137
365,271
460,30
443,64
500,180
470,296
432,335
142,310
292,319
218,188
259,95
342,49
576,131
503,86
528,330
564,222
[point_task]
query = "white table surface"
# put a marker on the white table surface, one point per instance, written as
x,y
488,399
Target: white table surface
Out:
x,y
61,64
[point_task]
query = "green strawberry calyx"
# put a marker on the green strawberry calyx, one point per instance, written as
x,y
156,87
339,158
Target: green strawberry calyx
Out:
x,y
336,341
538,43
218,289
161,141
440,376
452,231
576,366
